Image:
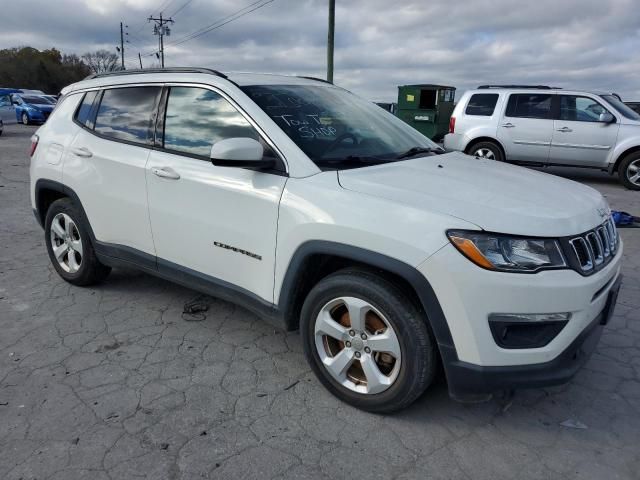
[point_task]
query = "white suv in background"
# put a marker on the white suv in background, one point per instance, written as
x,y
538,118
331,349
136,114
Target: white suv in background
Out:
x,y
318,210
545,126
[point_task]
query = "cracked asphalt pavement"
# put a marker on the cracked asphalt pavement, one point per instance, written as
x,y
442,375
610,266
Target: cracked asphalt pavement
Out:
x,y
112,383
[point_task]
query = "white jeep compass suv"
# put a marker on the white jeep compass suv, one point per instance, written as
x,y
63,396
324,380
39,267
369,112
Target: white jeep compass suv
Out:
x,y
546,126
319,210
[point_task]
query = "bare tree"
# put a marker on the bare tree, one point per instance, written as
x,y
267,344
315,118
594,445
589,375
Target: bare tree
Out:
x,y
101,61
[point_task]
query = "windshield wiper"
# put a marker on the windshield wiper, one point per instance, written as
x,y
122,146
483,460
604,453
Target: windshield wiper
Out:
x,y
418,150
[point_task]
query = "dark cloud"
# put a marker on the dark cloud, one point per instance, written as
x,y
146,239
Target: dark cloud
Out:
x,y
380,44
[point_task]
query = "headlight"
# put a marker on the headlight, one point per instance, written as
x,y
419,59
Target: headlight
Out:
x,y
507,253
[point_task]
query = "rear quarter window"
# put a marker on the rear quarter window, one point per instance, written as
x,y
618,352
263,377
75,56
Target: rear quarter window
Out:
x,y
65,109
83,114
482,104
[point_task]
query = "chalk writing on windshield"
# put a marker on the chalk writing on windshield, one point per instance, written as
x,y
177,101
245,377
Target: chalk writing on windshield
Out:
x,y
309,126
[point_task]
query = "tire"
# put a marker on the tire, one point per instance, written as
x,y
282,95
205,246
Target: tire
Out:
x,y
488,150
25,118
77,264
629,171
407,375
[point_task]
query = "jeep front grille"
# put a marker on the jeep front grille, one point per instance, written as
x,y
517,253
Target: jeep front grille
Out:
x,y
589,252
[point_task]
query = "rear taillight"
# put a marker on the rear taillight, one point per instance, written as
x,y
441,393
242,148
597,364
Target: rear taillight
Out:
x,y
34,145
452,125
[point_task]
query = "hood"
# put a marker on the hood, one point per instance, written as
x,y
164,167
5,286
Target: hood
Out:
x,y
496,197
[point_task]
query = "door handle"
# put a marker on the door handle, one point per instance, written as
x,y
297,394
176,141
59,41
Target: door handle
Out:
x,y
82,152
165,172
564,130
508,125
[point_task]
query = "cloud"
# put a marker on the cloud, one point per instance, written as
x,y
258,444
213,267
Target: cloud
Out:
x,y
380,44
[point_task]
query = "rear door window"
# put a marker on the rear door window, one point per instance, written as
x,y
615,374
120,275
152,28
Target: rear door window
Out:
x,y
529,105
482,104
128,114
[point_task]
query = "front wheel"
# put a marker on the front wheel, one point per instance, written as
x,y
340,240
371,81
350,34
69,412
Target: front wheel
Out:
x,y
487,150
367,342
629,171
25,118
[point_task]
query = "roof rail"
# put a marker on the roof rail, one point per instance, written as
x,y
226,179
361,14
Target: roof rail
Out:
x,y
315,78
538,87
137,71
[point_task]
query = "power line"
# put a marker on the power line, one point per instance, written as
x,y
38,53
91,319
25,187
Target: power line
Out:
x,y
136,37
199,30
182,7
164,6
219,23
223,21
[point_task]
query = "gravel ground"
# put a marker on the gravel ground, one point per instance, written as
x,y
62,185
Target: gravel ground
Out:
x,y
111,383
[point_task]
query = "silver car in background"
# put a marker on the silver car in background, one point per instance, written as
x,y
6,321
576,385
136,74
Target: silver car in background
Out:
x,y
544,126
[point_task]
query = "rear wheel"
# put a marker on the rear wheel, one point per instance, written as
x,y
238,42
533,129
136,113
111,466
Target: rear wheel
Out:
x,y
25,118
367,342
487,150
69,245
629,171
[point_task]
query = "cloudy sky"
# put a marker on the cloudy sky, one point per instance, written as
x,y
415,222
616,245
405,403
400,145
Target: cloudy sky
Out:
x,y
380,44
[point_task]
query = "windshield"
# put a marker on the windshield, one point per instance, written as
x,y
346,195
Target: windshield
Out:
x,y
624,110
335,128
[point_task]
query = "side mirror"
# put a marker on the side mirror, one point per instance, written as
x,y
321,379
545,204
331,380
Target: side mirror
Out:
x,y
606,117
239,152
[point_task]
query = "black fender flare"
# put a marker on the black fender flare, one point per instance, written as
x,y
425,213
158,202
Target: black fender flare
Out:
x,y
411,275
106,251
46,184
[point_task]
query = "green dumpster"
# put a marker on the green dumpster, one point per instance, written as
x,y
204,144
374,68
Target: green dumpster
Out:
x,y
427,108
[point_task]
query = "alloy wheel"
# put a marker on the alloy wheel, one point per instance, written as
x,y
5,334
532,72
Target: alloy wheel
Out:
x,y
357,345
66,243
25,119
484,153
633,172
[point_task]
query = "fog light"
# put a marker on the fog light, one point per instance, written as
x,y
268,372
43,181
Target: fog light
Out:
x,y
526,330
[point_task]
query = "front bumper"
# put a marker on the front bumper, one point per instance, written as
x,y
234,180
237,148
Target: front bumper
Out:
x,y
474,364
468,381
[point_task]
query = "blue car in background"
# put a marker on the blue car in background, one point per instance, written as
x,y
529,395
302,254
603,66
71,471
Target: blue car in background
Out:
x,y
31,108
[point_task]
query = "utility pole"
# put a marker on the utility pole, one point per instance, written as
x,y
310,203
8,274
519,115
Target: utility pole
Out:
x,y
161,30
121,46
140,58
332,27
